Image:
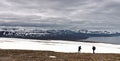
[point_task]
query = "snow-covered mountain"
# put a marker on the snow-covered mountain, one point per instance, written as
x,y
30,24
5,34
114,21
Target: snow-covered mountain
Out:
x,y
45,35
54,34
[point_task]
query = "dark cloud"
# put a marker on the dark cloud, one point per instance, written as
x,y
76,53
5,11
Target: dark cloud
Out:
x,y
73,13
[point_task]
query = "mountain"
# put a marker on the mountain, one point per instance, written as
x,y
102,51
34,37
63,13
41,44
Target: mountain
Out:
x,y
45,35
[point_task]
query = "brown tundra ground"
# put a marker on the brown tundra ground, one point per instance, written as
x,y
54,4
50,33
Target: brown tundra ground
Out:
x,y
25,55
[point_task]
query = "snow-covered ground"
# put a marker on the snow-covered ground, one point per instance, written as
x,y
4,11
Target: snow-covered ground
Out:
x,y
57,45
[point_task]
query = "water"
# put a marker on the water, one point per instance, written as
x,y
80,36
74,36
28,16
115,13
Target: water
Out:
x,y
113,40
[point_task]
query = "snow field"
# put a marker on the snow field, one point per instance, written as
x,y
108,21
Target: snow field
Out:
x,y
57,45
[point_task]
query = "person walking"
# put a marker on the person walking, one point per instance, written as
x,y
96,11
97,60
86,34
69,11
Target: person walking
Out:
x,y
93,48
79,49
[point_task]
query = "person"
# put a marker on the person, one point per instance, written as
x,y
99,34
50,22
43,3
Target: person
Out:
x,y
79,49
93,48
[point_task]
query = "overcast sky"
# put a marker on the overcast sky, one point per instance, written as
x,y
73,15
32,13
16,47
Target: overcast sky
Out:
x,y
97,14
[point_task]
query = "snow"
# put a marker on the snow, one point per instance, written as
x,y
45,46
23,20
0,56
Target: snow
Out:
x,y
57,45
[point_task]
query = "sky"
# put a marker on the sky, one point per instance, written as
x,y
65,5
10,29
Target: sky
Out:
x,y
72,14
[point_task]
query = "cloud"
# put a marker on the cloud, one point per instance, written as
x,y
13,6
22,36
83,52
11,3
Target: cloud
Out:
x,y
73,13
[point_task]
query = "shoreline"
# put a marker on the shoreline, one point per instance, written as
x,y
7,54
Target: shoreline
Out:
x,y
65,40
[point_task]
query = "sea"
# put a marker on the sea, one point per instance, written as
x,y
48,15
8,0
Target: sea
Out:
x,y
112,40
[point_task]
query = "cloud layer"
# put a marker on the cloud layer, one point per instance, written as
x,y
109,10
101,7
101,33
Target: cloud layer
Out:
x,y
74,14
